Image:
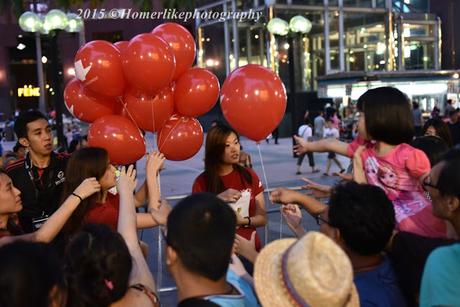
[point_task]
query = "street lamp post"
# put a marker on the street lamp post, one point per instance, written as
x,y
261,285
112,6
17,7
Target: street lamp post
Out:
x,y
297,25
51,24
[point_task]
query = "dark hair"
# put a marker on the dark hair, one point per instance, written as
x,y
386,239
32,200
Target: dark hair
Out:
x,y
415,105
97,259
214,151
28,273
453,112
17,146
201,229
441,128
84,163
73,145
449,177
20,125
433,146
388,115
364,215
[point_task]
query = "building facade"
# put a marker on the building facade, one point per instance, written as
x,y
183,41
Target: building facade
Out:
x,y
353,45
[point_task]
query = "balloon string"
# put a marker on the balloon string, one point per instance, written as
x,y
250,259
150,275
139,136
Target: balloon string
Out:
x,y
153,126
129,114
263,170
169,133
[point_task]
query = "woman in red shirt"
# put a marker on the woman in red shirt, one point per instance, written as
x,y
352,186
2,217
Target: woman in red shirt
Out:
x,y
236,185
103,207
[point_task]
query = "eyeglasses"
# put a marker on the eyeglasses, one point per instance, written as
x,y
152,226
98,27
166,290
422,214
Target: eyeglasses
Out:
x,y
427,183
320,221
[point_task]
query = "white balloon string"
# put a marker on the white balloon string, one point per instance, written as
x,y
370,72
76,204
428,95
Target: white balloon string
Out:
x,y
130,116
263,169
153,126
169,133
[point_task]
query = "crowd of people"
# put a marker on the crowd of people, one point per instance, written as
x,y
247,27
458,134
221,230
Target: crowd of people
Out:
x,y
388,235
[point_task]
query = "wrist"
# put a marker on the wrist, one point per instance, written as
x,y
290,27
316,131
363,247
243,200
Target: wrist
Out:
x,y
77,196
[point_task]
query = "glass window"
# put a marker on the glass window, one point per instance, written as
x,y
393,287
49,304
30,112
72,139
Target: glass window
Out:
x,y
364,42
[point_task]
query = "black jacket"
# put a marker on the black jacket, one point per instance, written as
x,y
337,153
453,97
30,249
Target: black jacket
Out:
x,y
41,189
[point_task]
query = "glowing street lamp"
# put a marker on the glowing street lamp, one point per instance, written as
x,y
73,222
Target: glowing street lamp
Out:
x,y
278,26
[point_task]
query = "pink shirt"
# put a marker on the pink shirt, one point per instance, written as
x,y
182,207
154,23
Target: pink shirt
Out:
x,y
398,174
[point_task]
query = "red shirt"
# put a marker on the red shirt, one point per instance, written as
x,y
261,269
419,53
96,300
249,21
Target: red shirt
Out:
x,y
104,213
236,181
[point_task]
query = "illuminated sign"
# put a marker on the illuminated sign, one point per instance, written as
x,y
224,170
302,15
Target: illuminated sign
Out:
x,y
28,91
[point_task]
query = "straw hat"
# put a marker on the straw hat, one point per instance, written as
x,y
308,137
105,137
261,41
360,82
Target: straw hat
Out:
x,y
312,271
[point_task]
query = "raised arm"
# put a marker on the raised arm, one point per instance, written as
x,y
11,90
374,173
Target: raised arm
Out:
x,y
324,145
140,272
286,196
57,220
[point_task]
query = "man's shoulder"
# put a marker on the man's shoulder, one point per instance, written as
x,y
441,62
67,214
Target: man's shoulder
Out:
x,y
62,155
15,166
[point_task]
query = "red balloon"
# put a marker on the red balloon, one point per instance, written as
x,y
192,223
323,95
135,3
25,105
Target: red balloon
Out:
x,y
141,107
119,136
182,44
180,138
86,105
98,66
148,63
121,46
253,101
196,92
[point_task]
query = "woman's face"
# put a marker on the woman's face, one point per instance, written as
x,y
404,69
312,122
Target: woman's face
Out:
x,y
232,150
109,179
431,131
10,197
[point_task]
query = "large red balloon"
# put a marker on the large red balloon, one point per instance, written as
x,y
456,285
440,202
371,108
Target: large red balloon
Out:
x,y
98,66
86,105
141,107
148,63
121,46
119,136
253,101
180,138
182,44
196,92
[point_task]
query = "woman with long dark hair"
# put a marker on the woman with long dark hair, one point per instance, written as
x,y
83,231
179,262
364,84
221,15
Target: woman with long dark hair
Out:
x,y
103,207
231,182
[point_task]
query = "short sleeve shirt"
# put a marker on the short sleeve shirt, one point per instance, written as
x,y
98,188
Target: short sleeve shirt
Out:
x,y
398,174
235,180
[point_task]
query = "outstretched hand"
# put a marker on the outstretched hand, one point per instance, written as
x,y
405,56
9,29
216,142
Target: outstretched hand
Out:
x,y
283,196
318,190
301,146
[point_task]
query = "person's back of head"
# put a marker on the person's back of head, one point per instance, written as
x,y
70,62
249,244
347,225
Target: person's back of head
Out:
x,y
364,216
433,146
98,265
20,125
30,275
201,231
388,115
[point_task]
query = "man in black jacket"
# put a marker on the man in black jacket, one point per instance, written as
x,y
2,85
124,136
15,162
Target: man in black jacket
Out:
x,y
40,175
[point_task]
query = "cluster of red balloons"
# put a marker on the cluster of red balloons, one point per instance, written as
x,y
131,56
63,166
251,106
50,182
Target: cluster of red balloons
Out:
x,y
147,83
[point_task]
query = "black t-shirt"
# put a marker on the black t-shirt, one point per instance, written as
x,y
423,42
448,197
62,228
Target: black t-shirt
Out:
x,y
196,302
455,132
41,189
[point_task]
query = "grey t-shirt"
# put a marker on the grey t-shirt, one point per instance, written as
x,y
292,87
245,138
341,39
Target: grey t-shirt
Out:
x,y
319,123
